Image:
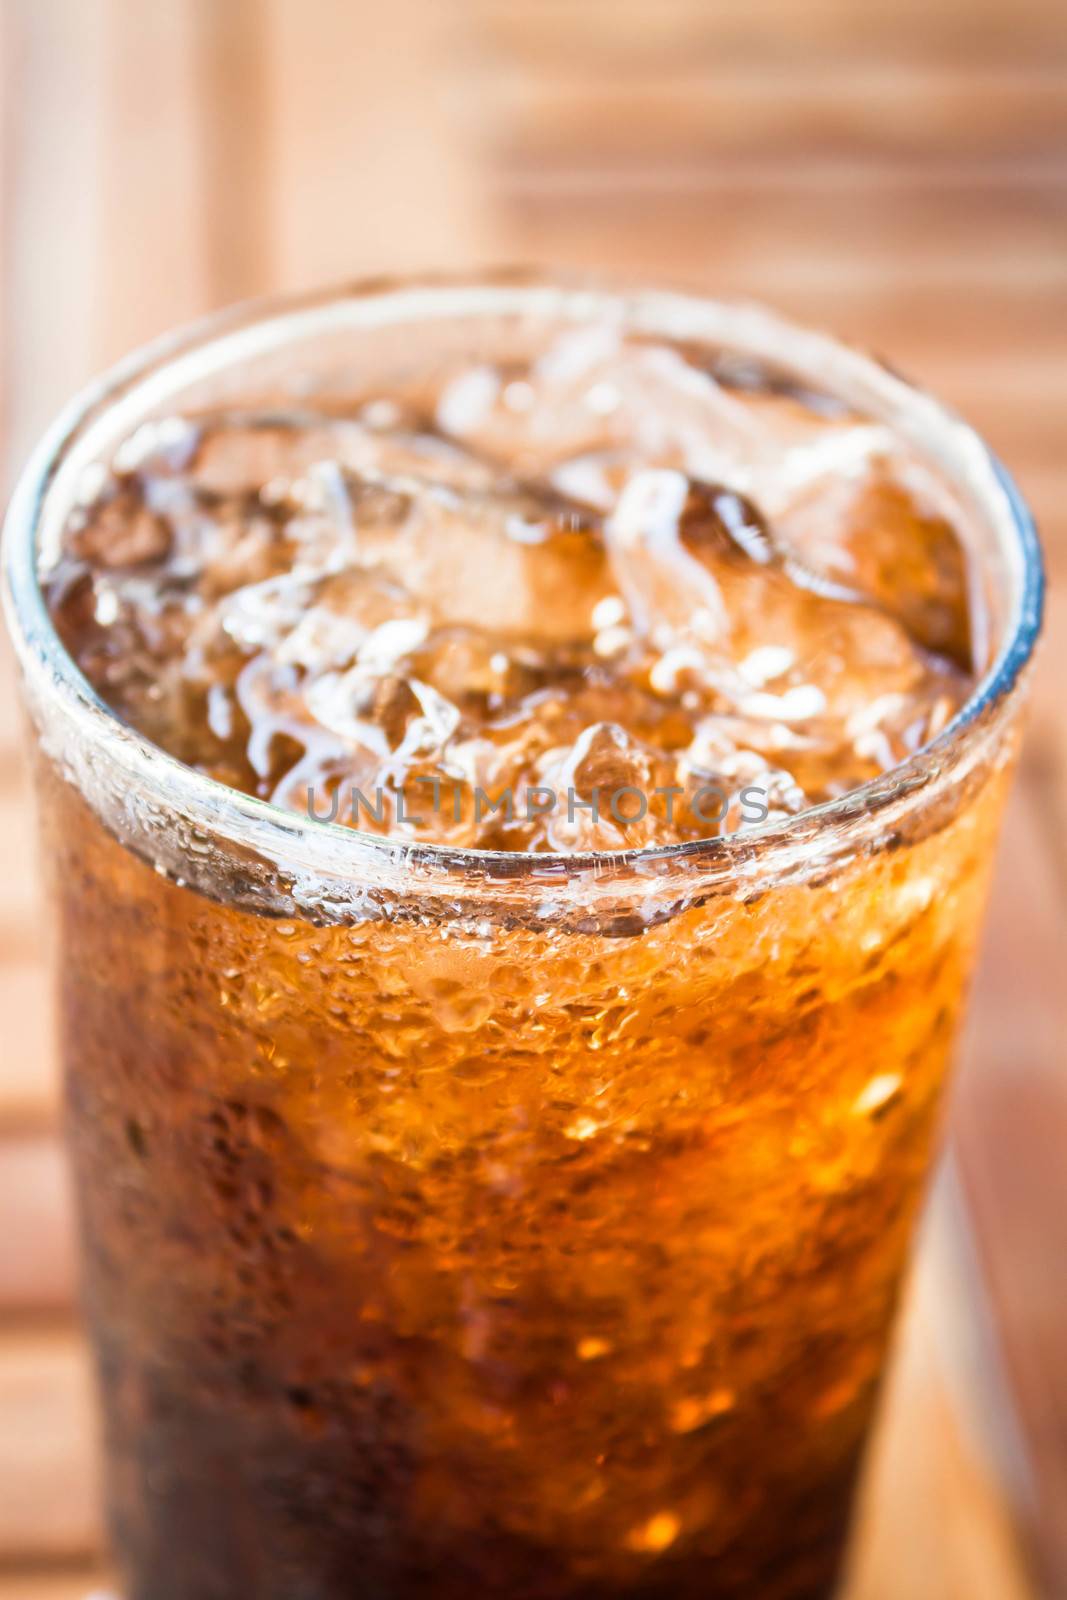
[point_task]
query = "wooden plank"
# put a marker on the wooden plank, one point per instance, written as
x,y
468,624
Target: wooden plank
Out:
x,y
1045,755
821,32
936,237
151,213
37,1269
1011,1131
20,911
85,1581
933,1524
233,117
12,730
1018,1018
368,178
1010,1114
54,62
736,113
29,1090
151,246
48,1480
104,245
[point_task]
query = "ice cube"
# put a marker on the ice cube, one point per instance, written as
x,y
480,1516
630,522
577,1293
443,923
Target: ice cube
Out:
x,y
671,596
596,390
604,790
514,562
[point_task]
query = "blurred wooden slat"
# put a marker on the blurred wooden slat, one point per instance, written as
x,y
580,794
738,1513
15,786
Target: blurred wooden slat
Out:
x,y
20,910
150,252
83,1581
1011,1130
1018,1014
1045,755
37,1245
728,113
1010,1113
116,191
104,244
850,239
28,1088
54,56
367,178
600,32
933,1520
233,123
11,725
48,1500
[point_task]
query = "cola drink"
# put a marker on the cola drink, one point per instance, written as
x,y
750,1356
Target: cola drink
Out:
x,y
516,876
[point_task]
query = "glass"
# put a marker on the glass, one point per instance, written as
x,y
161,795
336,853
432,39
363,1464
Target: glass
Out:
x,y
472,1223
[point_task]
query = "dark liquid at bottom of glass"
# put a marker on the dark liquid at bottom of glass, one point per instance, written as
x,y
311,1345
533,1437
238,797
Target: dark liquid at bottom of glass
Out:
x,y
210,1504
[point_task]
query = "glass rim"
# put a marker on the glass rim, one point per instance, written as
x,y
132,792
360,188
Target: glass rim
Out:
x,y
222,339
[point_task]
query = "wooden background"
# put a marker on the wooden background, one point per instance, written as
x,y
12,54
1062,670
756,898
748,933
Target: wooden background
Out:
x,y
896,172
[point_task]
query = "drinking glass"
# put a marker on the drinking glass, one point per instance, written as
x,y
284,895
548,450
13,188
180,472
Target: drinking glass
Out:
x,y
466,1223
